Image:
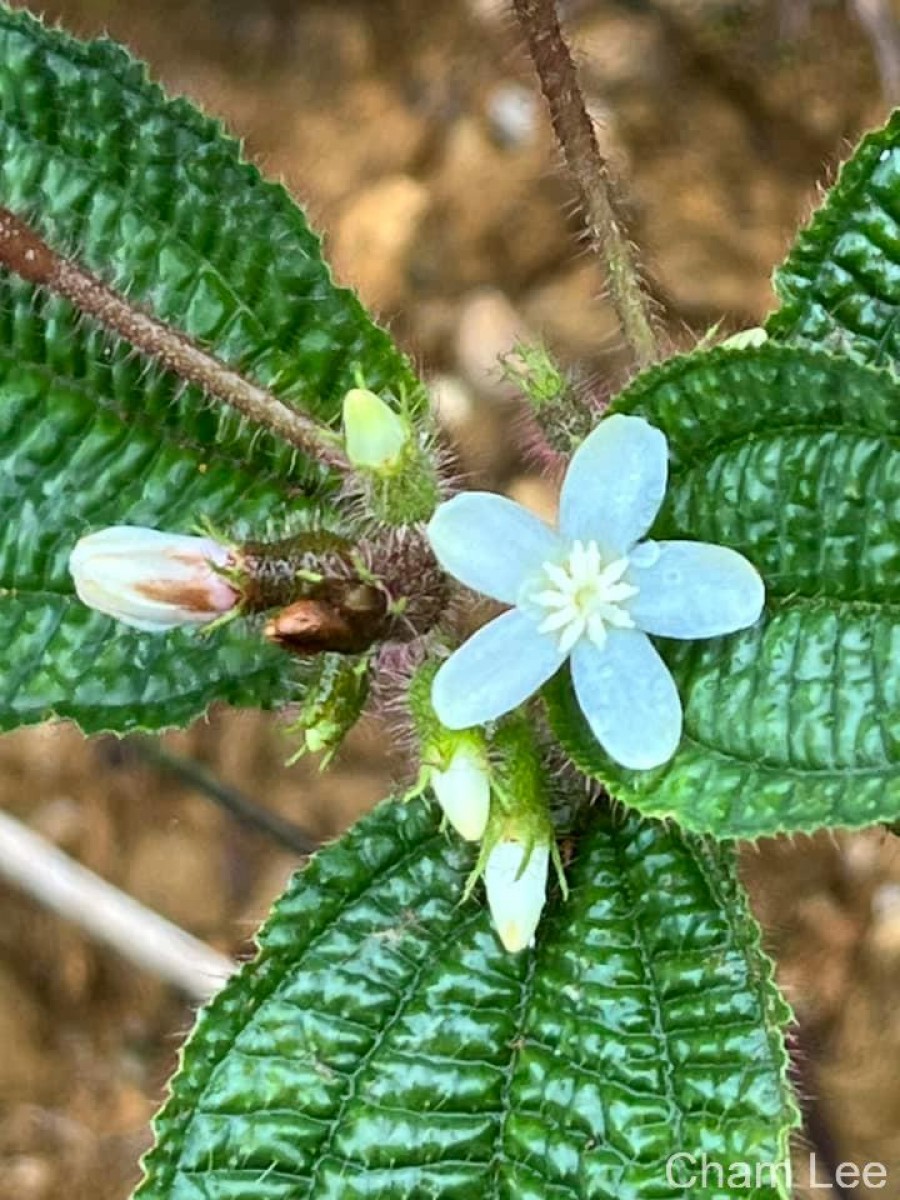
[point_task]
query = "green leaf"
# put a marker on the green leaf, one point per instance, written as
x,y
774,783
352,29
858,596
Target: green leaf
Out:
x,y
153,197
383,1044
840,286
792,458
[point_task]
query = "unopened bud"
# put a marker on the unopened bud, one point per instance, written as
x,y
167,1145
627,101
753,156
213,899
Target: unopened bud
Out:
x,y
463,790
515,877
374,434
152,580
333,699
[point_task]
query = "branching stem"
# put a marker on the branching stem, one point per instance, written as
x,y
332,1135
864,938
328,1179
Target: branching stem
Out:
x,y
590,172
22,250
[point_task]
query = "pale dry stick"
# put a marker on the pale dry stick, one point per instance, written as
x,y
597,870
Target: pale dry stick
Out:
x,y
591,173
23,251
143,937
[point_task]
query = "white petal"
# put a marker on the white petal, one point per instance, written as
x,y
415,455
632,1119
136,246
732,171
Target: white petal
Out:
x,y
150,579
516,894
696,590
629,698
490,543
615,484
494,671
463,791
137,541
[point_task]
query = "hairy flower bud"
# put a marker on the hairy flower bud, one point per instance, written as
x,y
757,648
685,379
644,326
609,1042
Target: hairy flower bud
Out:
x,y
463,790
519,840
375,435
515,878
454,763
152,580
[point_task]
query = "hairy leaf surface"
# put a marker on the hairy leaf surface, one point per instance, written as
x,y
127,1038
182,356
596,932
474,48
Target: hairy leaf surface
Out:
x,y
792,458
840,285
154,198
383,1043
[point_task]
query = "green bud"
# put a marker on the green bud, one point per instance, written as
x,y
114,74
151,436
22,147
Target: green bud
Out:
x,y
332,703
374,434
394,457
563,420
533,371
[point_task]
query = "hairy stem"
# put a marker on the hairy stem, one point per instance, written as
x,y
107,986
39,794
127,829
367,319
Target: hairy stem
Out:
x,y
22,250
591,173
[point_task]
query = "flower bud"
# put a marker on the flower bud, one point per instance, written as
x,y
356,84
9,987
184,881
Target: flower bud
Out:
x,y
374,434
463,790
152,580
454,762
515,877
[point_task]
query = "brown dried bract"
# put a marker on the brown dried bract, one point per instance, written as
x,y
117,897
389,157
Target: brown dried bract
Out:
x,y
344,616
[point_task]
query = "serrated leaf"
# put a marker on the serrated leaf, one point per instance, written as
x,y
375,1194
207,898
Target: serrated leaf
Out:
x,y
383,1044
153,197
840,285
792,458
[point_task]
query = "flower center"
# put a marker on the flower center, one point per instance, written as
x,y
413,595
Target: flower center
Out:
x,y
582,596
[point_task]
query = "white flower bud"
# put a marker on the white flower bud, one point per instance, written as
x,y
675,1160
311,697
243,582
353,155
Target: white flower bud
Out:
x,y
152,580
516,893
374,434
463,791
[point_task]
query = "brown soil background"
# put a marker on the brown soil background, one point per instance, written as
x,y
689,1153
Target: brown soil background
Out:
x,y
412,132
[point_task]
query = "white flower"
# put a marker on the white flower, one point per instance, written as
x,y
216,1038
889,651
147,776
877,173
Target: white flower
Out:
x,y
375,436
152,580
516,884
463,790
589,592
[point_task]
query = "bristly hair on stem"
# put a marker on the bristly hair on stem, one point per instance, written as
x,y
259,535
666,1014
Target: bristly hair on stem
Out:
x,y
591,173
23,251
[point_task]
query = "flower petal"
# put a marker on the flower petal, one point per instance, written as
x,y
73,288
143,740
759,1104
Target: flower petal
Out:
x,y
695,590
494,671
615,484
516,884
629,698
150,579
463,790
490,543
